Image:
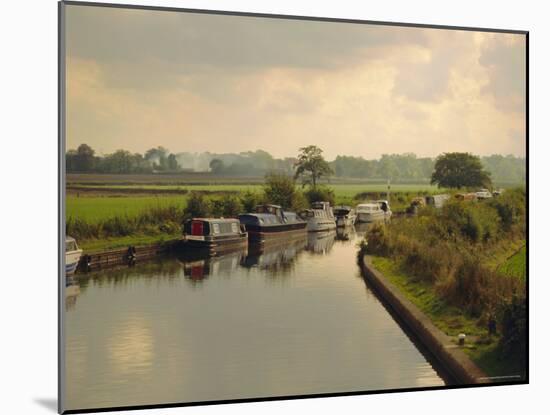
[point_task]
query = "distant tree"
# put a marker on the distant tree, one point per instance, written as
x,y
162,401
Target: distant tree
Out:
x,y
456,170
216,166
311,165
157,157
172,162
84,159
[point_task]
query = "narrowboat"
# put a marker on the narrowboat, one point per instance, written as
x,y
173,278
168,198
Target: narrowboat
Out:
x,y
319,218
72,255
370,212
345,216
271,221
214,235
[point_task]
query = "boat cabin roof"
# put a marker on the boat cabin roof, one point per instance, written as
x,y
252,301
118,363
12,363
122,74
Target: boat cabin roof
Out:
x,y
320,205
342,207
216,220
368,206
69,239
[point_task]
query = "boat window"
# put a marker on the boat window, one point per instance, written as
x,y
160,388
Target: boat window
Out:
x,y
215,228
70,246
234,227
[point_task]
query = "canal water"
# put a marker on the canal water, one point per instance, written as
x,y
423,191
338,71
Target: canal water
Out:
x,y
291,318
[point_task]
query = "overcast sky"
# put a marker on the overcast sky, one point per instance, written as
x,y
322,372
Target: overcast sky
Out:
x,y
193,82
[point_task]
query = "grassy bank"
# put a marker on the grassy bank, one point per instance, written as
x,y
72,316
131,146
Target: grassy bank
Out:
x,y
464,266
96,245
516,264
482,348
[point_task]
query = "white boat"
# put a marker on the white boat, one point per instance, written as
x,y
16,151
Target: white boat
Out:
x,y
319,218
483,194
345,216
72,255
385,206
370,212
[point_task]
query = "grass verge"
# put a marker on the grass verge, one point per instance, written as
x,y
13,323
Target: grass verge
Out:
x,y
452,320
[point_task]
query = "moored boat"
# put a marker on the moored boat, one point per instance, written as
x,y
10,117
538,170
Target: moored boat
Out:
x,y
385,206
271,221
319,218
370,212
214,235
72,255
344,215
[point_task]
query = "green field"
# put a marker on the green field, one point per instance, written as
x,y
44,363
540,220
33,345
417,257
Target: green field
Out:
x,y
93,209
341,189
516,265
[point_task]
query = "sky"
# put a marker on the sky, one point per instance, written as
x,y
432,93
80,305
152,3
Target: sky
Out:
x,y
192,82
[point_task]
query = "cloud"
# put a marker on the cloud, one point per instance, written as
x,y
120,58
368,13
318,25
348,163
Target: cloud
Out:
x,y
504,56
193,82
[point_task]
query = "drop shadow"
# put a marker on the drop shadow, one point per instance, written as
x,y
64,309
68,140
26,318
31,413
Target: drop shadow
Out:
x,y
48,403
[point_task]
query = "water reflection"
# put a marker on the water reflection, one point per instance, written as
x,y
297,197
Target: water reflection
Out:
x,y
196,267
191,328
276,258
72,290
320,242
345,234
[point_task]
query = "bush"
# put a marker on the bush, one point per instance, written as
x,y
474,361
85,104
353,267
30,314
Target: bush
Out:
x,y
279,189
511,207
320,194
513,323
249,200
228,206
198,206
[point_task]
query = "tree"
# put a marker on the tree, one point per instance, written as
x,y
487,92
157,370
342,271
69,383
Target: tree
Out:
x,y
157,157
172,162
311,165
216,166
456,170
84,158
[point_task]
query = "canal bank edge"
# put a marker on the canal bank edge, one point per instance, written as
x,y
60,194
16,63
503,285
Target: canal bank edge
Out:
x,y
449,354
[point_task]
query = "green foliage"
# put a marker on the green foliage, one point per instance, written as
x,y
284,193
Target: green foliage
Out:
x,y
299,202
477,222
444,247
249,200
228,206
280,189
510,206
320,194
513,321
311,165
516,265
456,170
198,206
